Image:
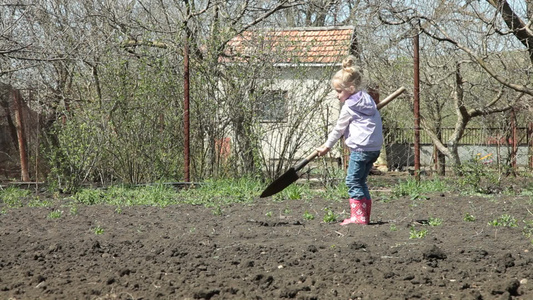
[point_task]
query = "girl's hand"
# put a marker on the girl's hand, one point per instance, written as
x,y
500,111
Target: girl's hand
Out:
x,y
322,150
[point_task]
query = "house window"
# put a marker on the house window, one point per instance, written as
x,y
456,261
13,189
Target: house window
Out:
x,y
272,106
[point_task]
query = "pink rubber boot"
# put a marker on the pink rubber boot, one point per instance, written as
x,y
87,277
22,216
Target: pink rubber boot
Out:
x,y
359,212
368,209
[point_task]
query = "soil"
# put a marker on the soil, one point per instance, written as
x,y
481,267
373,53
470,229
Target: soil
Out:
x,y
269,250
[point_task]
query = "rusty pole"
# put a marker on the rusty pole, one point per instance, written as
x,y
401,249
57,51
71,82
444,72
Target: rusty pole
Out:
x,y
417,104
514,133
19,120
186,108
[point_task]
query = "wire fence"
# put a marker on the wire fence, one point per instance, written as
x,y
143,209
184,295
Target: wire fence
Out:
x,y
512,147
472,136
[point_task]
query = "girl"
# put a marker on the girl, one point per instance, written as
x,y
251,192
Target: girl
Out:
x,y
360,123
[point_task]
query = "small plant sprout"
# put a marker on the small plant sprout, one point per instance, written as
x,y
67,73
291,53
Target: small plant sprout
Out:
x,y
434,221
330,216
528,228
268,214
393,227
217,211
308,216
504,221
469,217
56,214
98,230
74,210
417,234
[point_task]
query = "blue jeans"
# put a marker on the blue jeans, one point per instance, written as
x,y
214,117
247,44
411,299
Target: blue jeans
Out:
x,y
358,169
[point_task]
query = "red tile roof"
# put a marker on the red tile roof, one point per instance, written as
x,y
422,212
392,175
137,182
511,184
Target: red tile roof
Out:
x,y
322,45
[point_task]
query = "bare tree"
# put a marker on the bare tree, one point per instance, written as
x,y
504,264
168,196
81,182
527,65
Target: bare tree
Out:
x,y
485,66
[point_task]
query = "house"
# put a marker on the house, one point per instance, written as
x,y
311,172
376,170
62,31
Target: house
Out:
x,y
298,107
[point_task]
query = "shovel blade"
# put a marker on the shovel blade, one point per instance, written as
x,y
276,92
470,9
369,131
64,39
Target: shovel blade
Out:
x,y
281,183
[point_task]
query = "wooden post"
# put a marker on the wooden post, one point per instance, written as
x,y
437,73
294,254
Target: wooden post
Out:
x,y
514,132
530,144
416,104
19,123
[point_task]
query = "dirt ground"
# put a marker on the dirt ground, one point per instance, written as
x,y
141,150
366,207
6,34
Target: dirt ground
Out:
x,y
269,250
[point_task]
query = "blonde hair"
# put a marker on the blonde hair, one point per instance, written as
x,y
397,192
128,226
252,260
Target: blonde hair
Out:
x,y
350,77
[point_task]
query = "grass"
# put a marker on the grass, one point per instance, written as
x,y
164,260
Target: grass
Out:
x,y
329,216
308,216
56,214
216,194
13,197
434,221
504,220
415,189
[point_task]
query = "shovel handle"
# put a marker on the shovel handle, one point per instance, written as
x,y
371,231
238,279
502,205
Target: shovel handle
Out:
x,y
305,161
391,97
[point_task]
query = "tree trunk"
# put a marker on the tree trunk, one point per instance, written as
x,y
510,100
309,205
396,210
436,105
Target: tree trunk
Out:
x,y
21,136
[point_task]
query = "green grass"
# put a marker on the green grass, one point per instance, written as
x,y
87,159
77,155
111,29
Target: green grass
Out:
x,y
308,216
434,221
329,216
56,214
413,188
13,197
417,234
504,220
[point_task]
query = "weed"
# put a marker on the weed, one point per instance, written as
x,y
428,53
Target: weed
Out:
x,y
269,214
417,234
434,221
217,211
474,172
468,217
385,198
73,210
504,221
338,191
308,216
56,214
415,189
98,230
528,228
37,202
89,196
393,227
13,196
295,191
330,216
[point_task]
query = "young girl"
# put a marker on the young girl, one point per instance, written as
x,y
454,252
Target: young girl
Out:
x,y
360,123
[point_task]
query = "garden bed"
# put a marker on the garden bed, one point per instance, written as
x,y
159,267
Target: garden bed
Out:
x,y
434,246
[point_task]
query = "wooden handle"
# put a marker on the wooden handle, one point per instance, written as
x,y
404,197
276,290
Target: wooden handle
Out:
x,y
305,161
391,97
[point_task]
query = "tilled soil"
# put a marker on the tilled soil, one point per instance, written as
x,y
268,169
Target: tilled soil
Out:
x,y
269,250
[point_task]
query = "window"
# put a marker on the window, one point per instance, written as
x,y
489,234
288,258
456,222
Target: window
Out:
x,y
272,106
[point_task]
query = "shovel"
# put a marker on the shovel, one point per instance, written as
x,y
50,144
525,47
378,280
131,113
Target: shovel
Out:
x,y
292,175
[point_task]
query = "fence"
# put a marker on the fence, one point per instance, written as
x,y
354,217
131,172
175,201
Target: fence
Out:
x,y
472,136
507,147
